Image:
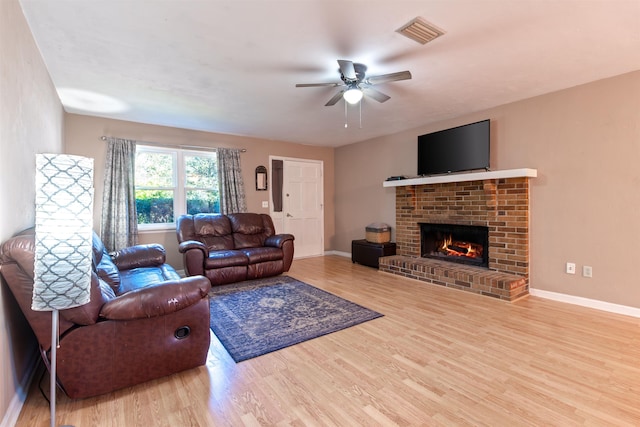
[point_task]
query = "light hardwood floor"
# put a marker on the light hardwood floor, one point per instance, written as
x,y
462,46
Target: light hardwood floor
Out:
x,y
437,357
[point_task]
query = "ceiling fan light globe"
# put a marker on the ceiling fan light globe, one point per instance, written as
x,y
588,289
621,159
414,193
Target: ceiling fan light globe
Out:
x,y
353,96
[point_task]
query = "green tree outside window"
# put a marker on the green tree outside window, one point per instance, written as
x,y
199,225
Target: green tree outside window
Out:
x,y
170,182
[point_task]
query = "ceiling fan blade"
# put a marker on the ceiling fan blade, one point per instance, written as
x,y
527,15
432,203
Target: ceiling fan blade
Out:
x,y
377,95
319,84
347,69
392,77
335,99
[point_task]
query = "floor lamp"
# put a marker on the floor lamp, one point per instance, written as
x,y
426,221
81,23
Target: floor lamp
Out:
x,y
63,254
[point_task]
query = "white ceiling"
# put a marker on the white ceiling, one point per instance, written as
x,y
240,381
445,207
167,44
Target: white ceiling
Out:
x,y
230,66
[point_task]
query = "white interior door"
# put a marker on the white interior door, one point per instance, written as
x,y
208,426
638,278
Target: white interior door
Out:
x,y
303,206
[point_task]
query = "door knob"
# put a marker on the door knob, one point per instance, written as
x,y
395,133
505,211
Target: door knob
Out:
x,y
289,215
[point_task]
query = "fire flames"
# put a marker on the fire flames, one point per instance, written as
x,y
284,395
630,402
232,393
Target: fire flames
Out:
x,y
462,249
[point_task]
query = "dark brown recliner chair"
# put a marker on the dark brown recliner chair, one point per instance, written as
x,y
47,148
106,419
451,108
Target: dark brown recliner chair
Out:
x,y
234,247
143,321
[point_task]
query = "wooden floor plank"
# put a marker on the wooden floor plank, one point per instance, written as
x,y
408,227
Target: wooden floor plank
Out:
x,y
437,357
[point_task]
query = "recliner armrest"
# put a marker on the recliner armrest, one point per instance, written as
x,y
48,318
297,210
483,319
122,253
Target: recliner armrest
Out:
x,y
157,300
195,253
139,256
278,240
192,244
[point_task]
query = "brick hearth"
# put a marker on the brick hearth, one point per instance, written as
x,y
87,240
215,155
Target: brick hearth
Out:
x,y
502,205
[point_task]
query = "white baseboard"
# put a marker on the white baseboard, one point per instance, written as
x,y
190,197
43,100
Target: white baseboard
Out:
x,y
15,406
338,253
13,411
586,302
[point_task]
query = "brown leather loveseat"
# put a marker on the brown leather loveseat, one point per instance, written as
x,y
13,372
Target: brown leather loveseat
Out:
x,y
143,321
234,247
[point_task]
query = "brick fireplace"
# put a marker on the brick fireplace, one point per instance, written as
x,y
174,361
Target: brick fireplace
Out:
x,y
500,204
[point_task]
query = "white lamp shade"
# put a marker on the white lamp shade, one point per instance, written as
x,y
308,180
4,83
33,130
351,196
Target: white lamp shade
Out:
x,y
64,231
352,96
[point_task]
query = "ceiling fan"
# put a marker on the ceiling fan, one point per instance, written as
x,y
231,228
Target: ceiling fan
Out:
x,y
356,84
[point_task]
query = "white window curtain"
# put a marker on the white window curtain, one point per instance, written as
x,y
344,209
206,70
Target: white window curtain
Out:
x,y
232,195
119,227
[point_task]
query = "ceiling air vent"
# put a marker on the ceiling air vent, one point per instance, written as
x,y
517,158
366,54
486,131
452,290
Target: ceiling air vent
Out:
x,y
420,30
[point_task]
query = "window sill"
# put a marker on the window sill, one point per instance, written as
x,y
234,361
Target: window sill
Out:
x,y
155,228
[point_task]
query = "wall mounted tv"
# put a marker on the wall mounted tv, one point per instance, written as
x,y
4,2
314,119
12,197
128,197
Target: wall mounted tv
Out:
x,y
457,149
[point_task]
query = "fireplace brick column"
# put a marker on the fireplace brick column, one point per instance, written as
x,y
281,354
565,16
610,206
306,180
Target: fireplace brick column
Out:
x,y
502,205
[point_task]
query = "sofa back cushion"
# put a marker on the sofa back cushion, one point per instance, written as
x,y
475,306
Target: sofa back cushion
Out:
x,y
184,228
250,229
214,230
103,264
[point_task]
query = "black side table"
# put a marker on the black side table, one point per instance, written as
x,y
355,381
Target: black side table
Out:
x,y
367,253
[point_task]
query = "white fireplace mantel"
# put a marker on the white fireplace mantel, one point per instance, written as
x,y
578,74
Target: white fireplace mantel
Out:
x,y
461,177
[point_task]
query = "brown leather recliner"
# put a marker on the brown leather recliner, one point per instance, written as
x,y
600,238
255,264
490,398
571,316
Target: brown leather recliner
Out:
x,y
143,321
234,247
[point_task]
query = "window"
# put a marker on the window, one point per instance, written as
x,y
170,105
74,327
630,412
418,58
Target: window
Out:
x,y
172,182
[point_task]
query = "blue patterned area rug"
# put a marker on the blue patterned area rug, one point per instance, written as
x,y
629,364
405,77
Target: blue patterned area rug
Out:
x,y
256,317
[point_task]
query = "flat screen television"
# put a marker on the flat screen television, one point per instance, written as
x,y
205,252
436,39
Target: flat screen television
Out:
x,y
457,149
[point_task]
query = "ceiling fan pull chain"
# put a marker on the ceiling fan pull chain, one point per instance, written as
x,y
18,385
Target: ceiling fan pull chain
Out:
x,y
360,113
345,115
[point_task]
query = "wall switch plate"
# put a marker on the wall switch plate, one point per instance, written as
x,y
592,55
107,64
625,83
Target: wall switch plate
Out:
x,y
265,204
571,268
587,271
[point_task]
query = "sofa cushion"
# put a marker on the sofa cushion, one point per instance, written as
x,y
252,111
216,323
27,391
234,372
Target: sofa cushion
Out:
x,y
225,258
263,254
213,230
248,230
137,278
149,255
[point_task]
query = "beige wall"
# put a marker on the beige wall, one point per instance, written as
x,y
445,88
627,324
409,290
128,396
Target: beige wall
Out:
x,y
583,141
31,120
585,203
82,137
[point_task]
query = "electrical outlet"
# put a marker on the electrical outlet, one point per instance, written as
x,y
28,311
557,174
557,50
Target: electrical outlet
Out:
x,y
265,204
587,271
571,268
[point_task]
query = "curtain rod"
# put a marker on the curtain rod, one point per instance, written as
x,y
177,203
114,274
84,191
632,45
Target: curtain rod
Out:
x,y
196,147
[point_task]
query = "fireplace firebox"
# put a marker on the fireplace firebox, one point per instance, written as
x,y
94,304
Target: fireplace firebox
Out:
x,y
465,244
